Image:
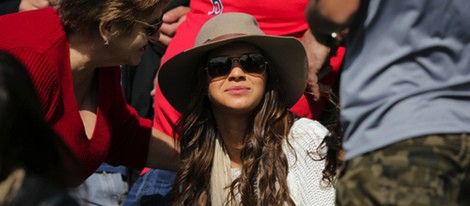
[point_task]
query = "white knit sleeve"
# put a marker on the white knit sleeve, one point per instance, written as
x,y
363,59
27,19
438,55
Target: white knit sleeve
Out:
x,y
305,172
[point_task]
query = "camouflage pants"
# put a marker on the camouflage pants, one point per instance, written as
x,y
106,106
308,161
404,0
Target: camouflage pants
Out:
x,y
427,170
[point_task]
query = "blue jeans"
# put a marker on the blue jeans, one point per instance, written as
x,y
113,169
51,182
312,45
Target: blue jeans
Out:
x,y
107,186
152,188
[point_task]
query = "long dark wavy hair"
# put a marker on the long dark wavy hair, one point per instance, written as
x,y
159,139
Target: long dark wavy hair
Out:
x,y
333,142
262,155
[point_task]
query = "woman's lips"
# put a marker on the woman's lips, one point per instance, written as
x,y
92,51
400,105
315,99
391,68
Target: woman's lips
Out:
x,y
237,90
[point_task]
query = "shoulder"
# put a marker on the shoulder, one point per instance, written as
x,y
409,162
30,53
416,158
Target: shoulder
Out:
x,y
305,166
45,71
37,39
37,29
307,130
303,143
304,140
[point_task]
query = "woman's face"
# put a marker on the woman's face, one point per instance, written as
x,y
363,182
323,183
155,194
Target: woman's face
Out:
x,y
131,46
235,89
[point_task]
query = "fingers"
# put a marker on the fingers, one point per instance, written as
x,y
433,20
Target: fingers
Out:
x,y
169,30
27,5
317,55
165,39
174,14
171,21
312,87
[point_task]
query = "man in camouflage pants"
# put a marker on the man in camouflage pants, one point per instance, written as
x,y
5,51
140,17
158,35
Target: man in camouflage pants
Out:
x,y
418,171
405,99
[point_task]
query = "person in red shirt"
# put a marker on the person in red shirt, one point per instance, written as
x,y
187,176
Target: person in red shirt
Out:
x,y
73,55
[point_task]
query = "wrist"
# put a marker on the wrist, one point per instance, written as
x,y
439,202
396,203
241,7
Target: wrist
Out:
x,y
330,40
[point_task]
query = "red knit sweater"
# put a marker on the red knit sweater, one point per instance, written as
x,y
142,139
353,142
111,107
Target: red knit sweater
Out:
x,y
120,137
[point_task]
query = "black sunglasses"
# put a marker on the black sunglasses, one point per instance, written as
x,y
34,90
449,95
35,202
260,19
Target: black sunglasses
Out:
x,y
253,63
151,29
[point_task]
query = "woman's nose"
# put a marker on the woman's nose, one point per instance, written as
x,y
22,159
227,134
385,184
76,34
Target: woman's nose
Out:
x,y
236,70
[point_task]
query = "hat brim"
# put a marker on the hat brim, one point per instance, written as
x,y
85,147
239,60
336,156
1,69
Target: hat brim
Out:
x,y
286,55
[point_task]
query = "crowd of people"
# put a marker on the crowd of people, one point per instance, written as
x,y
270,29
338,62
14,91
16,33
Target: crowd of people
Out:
x,y
224,102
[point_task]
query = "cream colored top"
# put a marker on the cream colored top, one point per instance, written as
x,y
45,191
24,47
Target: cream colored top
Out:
x,y
305,174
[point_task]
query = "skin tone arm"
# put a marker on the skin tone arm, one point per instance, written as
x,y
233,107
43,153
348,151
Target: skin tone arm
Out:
x,y
324,17
163,152
171,21
27,5
317,54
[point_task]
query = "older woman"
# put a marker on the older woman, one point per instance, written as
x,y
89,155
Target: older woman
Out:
x,y
72,55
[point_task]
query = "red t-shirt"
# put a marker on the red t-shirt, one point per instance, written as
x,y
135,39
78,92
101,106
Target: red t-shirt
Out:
x,y
120,137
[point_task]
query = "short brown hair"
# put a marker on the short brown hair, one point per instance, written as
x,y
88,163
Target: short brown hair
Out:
x,y
84,16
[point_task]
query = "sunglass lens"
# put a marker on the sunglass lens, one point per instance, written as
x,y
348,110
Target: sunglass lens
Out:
x,y
219,66
253,63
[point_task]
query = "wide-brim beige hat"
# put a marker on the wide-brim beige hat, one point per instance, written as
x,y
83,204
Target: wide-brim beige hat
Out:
x,y
285,55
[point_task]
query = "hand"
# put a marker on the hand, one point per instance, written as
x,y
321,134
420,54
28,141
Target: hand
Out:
x,y
317,55
171,21
27,5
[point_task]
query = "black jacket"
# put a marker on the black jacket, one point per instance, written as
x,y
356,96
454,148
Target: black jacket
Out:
x,y
37,191
9,6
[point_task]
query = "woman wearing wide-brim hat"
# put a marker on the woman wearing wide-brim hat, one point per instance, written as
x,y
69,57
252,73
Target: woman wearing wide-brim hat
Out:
x,y
239,142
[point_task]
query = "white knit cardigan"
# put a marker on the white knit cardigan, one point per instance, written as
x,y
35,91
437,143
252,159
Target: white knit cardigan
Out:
x,y
305,174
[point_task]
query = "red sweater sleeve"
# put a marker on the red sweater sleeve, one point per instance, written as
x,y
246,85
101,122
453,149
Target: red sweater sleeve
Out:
x,y
41,72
